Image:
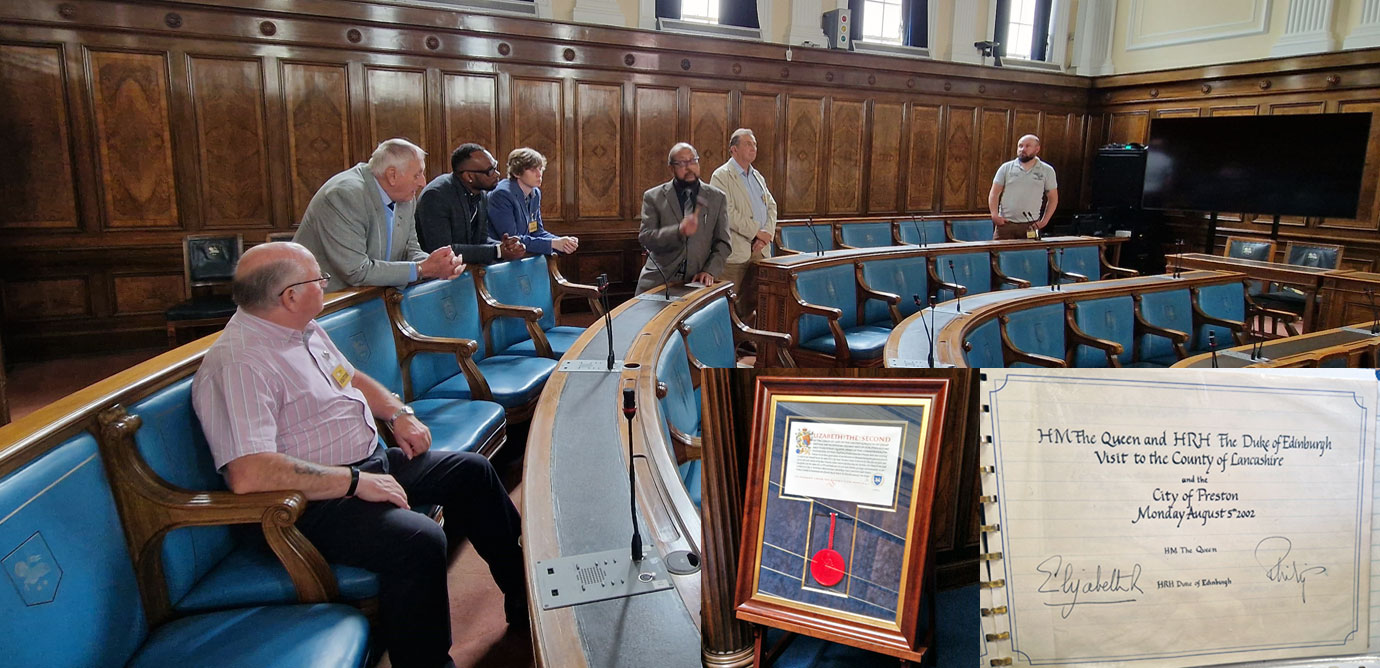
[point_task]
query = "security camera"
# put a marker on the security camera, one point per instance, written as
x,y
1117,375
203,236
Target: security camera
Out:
x,y
990,48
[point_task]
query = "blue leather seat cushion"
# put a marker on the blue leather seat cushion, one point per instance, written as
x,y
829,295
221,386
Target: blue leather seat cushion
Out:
x,y
514,380
864,342
690,475
327,635
561,339
458,426
252,575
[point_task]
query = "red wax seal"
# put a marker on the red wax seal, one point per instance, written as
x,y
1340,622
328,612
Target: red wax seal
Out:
x,y
827,564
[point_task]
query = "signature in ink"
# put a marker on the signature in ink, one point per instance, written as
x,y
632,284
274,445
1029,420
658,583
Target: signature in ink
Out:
x,y
1272,553
1060,579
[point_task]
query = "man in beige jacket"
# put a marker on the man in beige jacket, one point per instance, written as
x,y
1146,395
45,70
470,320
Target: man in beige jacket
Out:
x,y
751,214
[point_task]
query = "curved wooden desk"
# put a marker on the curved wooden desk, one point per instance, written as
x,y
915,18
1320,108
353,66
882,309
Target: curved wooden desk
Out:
x,y
576,496
908,345
1352,344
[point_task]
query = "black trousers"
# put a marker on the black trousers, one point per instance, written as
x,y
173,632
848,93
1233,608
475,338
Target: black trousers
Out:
x,y
409,551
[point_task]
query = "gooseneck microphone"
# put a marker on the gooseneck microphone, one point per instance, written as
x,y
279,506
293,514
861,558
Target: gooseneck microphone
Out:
x,y
1212,344
1375,319
929,326
664,278
953,277
819,245
629,412
919,231
602,284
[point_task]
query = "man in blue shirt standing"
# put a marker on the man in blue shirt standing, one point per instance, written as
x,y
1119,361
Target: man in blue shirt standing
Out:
x,y
751,214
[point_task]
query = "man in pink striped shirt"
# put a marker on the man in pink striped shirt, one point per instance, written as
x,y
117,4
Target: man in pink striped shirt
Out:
x,y
283,409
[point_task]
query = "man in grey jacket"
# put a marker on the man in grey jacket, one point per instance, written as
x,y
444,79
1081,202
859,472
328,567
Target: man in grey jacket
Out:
x,y
359,224
684,226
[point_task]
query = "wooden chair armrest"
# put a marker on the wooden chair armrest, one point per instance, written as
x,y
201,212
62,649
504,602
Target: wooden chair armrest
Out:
x,y
1176,337
1003,278
410,342
490,308
1058,273
1010,353
561,288
1076,336
1115,270
936,283
152,507
833,314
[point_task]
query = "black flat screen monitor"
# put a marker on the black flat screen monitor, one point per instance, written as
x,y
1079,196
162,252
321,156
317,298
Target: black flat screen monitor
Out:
x,y
1305,165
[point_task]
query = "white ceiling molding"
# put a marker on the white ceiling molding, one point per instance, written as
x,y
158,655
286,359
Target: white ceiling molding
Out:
x,y
1255,21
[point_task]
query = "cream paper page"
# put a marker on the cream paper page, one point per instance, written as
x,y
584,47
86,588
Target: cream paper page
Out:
x,y
1176,518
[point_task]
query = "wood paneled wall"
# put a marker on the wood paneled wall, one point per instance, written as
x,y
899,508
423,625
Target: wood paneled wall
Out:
x,y
133,123
1122,108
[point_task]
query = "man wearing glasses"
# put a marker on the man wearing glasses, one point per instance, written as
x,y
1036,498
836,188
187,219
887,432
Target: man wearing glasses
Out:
x,y
684,226
360,227
282,409
454,212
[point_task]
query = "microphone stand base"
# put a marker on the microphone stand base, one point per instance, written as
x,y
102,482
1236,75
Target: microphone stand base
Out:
x,y
598,576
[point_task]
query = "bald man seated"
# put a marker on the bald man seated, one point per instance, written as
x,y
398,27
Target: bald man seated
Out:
x,y
282,409
1024,193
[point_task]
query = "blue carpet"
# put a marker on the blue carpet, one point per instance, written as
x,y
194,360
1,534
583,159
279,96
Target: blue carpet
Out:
x,y
956,640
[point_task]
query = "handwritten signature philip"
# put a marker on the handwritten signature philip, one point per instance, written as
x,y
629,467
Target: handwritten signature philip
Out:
x,y
1272,553
1060,579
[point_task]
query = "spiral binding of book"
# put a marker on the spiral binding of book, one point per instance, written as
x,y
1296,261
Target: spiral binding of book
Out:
x,y
995,640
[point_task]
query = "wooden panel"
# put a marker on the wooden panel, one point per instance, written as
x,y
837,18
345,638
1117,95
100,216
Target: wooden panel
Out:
x,y
1026,122
1054,146
470,111
148,294
845,156
538,112
1129,127
47,298
1310,107
1191,112
709,129
996,145
599,133
1234,110
760,115
885,157
1366,206
134,138
922,172
804,134
397,106
231,143
960,158
655,119
318,128
34,137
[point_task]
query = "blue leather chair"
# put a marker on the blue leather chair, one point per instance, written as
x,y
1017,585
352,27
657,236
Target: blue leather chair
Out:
x,y
1102,332
530,331
827,327
1163,322
970,270
75,601
865,235
1246,248
1076,264
971,230
921,232
713,332
982,348
1033,337
1021,268
211,567
903,277
1221,311
445,315
800,239
364,334
1289,299
679,402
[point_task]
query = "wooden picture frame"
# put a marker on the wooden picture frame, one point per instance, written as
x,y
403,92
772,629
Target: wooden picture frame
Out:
x,y
830,437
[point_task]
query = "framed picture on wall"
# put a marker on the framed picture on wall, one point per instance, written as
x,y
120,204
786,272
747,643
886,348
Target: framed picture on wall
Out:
x,y
841,482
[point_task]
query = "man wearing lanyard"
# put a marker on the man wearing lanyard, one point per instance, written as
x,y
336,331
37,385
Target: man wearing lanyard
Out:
x,y
359,224
282,409
751,214
1024,193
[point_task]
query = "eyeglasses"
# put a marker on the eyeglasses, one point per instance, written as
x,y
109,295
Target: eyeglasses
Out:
x,y
324,278
685,163
491,170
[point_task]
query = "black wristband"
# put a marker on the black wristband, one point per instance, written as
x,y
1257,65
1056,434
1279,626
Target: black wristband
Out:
x,y
354,481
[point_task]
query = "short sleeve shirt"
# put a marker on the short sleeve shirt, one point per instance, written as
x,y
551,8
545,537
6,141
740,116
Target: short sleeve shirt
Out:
x,y
1023,190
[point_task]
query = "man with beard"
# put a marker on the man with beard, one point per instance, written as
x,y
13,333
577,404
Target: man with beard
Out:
x,y
452,210
684,226
1024,193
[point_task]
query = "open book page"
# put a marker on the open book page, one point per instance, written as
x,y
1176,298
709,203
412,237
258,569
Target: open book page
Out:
x,y
1177,518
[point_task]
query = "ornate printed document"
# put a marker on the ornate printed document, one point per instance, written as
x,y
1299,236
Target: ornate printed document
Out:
x,y
1175,518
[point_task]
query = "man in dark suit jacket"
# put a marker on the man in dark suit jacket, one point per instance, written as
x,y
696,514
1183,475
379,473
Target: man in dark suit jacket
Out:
x,y
684,226
453,211
359,224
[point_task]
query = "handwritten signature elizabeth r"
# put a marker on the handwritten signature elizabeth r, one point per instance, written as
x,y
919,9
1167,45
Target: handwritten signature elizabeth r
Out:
x,y
1060,579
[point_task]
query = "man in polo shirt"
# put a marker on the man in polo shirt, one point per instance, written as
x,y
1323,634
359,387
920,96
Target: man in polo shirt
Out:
x,y
1024,193
282,409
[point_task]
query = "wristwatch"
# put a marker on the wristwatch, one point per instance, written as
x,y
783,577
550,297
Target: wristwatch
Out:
x,y
405,410
354,481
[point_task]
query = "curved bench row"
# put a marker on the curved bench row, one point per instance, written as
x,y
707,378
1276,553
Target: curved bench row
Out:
x,y
812,237
1145,321
839,307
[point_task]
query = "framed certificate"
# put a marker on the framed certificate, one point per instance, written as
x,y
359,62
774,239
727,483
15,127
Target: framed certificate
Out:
x,y
840,485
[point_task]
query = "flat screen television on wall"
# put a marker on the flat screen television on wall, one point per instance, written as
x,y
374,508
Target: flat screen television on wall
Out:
x,y
1303,165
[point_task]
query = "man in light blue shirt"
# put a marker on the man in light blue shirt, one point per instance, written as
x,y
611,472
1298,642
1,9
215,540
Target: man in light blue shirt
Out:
x,y
751,213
